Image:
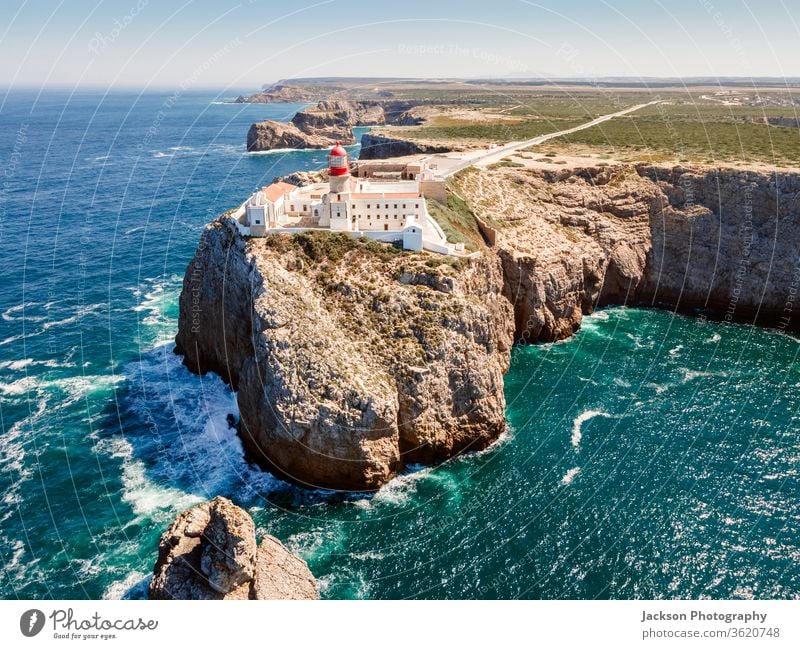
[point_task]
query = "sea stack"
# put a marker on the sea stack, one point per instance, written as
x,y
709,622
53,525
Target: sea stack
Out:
x,y
210,552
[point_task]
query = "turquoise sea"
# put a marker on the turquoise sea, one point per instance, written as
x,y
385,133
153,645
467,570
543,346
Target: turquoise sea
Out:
x,y
652,455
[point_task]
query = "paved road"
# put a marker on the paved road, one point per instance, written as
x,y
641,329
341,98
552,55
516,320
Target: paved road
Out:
x,y
485,157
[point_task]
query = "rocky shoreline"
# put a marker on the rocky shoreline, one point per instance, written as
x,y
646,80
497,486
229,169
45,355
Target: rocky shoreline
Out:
x,y
352,360
328,122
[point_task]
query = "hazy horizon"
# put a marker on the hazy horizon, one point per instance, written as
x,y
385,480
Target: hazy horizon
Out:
x,y
238,46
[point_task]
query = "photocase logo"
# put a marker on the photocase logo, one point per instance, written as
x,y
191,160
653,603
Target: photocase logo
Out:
x,y
31,622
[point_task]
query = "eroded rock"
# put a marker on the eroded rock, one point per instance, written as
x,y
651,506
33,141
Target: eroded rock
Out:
x,y
209,552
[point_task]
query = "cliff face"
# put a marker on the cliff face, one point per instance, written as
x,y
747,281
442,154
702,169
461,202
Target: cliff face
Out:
x,y
354,359
281,93
210,552
269,135
377,147
724,241
317,127
332,120
351,359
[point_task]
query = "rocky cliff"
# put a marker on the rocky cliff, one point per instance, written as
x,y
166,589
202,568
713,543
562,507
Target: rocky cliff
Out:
x,y
210,552
317,127
332,120
351,359
285,93
377,147
723,241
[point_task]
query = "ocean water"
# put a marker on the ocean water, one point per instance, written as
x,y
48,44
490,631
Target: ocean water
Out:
x,y
651,455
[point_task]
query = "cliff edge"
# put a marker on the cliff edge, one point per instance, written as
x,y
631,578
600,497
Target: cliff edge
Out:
x,y
720,241
314,128
351,359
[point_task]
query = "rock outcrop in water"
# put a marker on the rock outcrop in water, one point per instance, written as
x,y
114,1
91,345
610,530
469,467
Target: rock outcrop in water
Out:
x,y
724,241
332,120
351,359
210,552
314,128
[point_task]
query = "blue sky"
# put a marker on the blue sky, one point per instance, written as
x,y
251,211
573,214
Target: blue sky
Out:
x,y
242,45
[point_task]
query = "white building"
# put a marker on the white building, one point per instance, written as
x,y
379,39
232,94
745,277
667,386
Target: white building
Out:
x,y
385,210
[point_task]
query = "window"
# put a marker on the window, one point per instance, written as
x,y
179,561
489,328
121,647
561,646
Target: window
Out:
x,y
387,206
305,208
417,206
353,206
395,217
291,208
367,205
404,206
395,206
385,226
316,212
258,222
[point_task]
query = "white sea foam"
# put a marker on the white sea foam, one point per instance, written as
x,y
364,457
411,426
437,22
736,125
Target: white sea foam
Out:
x,y
12,339
577,424
146,498
135,581
675,350
80,313
16,365
161,154
397,491
660,388
196,446
18,387
690,375
9,315
156,298
714,339
569,476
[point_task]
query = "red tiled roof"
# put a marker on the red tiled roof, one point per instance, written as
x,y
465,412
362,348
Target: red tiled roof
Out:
x,y
276,190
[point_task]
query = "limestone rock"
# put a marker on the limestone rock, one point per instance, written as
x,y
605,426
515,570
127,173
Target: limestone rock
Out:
x,y
229,546
346,369
209,552
375,147
281,575
314,128
268,135
721,240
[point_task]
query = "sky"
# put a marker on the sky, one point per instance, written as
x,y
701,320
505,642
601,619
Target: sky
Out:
x,y
240,46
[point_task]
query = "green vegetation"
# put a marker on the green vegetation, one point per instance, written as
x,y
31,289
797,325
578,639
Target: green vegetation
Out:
x,y
505,163
440,260
500,131
320,247
708,140
457,221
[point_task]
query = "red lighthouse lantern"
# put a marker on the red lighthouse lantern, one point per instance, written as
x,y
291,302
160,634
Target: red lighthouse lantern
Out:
x,y
337,161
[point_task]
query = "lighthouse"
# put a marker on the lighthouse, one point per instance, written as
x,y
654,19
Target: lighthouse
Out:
x,y
339,169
